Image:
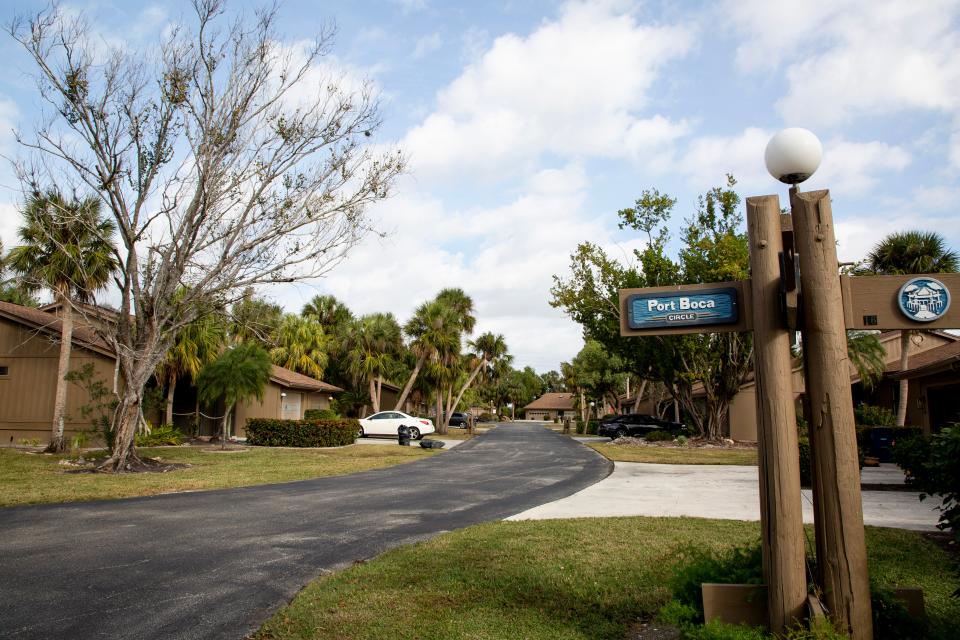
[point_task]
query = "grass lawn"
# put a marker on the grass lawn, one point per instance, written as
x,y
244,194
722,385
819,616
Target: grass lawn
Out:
x,y
675,455
552,580
28,478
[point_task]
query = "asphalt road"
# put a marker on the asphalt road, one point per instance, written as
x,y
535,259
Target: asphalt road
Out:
x,y
216,564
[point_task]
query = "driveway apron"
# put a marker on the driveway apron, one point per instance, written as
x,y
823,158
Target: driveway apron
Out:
x,y
216,564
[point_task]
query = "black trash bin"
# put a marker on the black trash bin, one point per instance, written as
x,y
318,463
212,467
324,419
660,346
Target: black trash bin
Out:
x,y
403,436
881,443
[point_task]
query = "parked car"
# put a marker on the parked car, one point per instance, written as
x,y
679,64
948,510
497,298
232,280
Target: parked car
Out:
x,y
636,424
386,423
460,419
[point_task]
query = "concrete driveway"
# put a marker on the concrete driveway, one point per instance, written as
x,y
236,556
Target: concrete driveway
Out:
x,y
215,564
723,492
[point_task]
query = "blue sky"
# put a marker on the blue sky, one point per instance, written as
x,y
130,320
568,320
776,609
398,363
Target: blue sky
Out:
x,y
528,124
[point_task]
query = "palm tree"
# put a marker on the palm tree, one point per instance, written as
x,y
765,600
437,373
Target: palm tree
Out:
x,y
462,305
907,253
301,346
487,349
67,248
240,372
10,288
195,346
434,332
372,344
330,312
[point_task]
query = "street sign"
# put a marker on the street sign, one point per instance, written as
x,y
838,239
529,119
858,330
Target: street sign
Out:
x,y
701,308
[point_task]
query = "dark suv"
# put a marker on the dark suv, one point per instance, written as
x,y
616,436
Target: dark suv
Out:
x,y
460,419
638,425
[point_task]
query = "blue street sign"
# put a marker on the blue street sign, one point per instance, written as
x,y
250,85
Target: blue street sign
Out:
x,y
674,309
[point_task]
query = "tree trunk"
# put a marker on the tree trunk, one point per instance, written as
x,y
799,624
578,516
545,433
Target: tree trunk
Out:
x,y
226,426
441,426
125,423
636,403
379,389
583,409
171,385
904,383
374,400
467,384
57,442
409,386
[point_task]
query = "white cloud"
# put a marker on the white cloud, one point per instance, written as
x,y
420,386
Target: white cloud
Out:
x,y
504,256
575,87
858,234
709,158
851,168
852,58
427,44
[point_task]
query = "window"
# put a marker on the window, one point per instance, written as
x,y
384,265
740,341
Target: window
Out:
x,y
4,371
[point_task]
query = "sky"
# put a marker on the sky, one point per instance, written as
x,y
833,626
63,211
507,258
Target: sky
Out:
x,y
528,124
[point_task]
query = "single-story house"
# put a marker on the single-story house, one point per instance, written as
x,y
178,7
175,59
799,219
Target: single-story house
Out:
x,y
29,360
932,397
550,406
29,357
287,396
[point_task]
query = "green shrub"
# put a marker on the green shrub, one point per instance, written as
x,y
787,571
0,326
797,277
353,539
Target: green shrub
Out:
x,y
267,432
682,441
806,462
912,454
161,436
658,436
932,466
591,429
737,565
872,416
320,414
486,417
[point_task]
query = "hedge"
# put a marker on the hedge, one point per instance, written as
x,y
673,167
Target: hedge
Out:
x,y
320,414
266,432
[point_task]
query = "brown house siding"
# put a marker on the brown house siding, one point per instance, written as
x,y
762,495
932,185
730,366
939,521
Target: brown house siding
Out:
x,y
27,391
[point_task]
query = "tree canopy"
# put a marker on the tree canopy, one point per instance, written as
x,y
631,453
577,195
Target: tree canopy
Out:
x,y
220,166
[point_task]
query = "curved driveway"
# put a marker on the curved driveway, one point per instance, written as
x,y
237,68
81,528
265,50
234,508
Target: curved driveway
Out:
x,y
215,564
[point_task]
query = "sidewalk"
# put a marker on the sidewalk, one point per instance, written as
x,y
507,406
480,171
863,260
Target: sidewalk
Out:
x,y
722,492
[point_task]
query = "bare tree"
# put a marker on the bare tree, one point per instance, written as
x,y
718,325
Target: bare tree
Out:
x,y
219,172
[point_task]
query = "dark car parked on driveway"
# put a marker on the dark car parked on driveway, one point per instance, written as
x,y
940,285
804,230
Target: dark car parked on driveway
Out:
x,y
460,419
638,425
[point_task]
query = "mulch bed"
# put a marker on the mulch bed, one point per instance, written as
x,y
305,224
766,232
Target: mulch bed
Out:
x,y
652,631
692,443
141,465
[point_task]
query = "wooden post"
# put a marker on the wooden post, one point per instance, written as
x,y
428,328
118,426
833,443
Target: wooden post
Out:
x,y
843,559
781,514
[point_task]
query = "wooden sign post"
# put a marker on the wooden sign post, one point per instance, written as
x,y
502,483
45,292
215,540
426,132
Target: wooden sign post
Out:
x,y
769,305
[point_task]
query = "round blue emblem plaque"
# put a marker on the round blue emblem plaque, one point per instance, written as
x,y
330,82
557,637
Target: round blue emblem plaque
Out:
x,y
923,299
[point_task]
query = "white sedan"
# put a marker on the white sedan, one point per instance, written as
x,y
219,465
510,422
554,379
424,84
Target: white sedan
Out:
x,y
386,423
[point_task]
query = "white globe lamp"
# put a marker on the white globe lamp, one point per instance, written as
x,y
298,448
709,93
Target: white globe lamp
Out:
x,y
793,155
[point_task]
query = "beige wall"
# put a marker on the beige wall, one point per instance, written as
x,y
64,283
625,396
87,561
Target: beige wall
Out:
x,y
743,408
27,393
271,405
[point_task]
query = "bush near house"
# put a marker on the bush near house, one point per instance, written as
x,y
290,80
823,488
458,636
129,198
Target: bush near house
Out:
x,y
590,428
658,436
932,466
164,435
320,414
266,432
